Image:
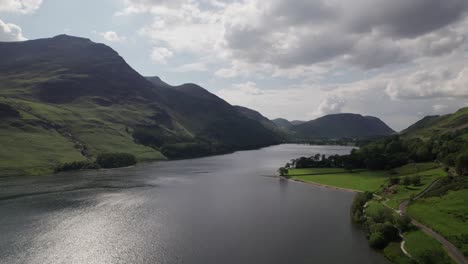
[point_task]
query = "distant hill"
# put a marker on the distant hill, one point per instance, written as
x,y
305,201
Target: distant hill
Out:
x,y
282,123
456,123
267,123
66,99
342,126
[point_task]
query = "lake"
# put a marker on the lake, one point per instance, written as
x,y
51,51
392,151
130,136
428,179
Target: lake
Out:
x,y
220,209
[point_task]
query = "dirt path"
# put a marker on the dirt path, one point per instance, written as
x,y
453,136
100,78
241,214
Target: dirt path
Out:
x,y
451,249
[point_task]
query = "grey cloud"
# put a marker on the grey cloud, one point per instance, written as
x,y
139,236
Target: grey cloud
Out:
x,y
366,33
404,18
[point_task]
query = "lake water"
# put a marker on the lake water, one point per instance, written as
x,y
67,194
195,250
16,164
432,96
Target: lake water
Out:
x,y
221,209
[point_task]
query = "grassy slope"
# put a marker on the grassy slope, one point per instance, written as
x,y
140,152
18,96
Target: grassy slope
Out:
x,y
99,128
448,215
40,150
440,125
361,181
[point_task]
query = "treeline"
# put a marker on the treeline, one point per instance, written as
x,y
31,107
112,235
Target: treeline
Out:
x,y
395,151
105,160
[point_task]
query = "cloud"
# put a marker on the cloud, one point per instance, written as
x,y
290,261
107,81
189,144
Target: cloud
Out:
x,y
160,55
10,32
20,6
191,67
330,105
442,82
375,57
112,36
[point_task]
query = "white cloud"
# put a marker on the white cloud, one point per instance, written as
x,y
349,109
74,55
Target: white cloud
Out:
x,y
191,67
379,57
20,6
112,36
330,105
443,82
160,55
10,32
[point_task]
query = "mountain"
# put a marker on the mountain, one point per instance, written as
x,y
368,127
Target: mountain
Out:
x,y
342,126
297,122
282,123
65,99
456,124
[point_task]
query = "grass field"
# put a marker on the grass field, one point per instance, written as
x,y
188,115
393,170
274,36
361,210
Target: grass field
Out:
x,y
360,181
418,244
447,215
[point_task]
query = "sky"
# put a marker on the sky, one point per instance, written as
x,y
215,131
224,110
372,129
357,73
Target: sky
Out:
x,y
399,60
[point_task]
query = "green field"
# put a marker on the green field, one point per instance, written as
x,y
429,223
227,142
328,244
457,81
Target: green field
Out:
x,y
447,215
360,181
418,244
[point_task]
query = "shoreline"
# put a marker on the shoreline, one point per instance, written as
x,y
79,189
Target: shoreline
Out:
x,y
322,185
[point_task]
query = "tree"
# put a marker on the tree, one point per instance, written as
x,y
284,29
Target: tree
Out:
x,y
406,181
403,222
283,172
416,180
461,164
377,240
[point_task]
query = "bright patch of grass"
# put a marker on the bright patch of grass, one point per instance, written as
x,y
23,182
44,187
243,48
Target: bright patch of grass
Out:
x,y
311,171
34,150
418,244
447,215
360,181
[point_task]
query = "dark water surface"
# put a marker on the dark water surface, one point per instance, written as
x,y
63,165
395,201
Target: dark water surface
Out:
x,y
222,209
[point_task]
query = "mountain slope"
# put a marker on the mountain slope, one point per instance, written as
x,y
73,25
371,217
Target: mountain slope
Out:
x,y
282,123
65,99
456,123
342,126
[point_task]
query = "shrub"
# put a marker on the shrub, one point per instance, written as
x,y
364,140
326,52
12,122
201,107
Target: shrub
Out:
x,y
416,180
461,164
358,205
115,160
76,165
394,180
403,222
406,181
377,240
283,172
383,215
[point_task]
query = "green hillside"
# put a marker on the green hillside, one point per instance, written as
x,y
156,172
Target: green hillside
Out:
x,y
68,99
456,123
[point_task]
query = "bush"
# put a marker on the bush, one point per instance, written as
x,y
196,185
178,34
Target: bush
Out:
x,y
383,215
115,160
406,181
416,180
394,180
403,222
377,240
76,166
283,172
358,205
461,164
